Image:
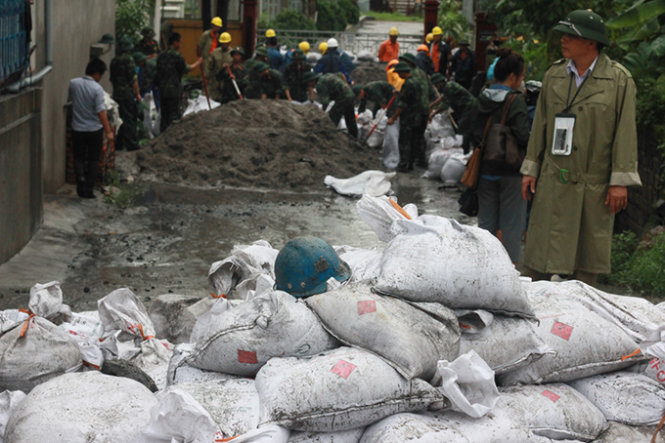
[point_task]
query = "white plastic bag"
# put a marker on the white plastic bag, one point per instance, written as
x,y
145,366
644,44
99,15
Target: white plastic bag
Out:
x,y
391,146
364,263
121,310
82,407
178,417
248,268
379,213
436,259
406,337
453,169
46,301
626,397
241,340
437,159
375,139
374,183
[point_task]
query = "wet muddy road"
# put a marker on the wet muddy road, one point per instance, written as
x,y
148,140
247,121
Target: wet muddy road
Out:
x,y
167,242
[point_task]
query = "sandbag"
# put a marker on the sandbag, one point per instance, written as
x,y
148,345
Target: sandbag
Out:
x,y
620,433
374,183
174,315
33,351
248,268
585,344
453,169
121,310
625,397
505,344
364,263
46,301
406,337
178,417
391,146
232,404
85,329
436,259
82,407
429,427
339,390
375,139
435,162
180,372
9,400
379,213
242,339
350,436
555,411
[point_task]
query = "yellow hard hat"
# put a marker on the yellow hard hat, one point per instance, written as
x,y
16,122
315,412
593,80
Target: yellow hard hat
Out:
x,y
323,47
225,37
429,37
437,31
304,47
270,33
217,21
393,31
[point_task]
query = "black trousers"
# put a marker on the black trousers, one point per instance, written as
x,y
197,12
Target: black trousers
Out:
x,y
87,147
128,136
344,108
169,112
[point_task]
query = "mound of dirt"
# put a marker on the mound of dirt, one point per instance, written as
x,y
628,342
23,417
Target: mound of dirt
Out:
x,y
258,143
366,72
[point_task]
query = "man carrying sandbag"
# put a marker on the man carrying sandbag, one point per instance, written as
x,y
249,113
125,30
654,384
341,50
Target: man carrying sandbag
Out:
x,y
583,154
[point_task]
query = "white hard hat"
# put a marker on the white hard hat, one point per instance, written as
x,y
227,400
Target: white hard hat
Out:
x,y
332,43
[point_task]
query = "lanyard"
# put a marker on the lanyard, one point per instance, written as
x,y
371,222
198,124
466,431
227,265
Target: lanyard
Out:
x,y
570,85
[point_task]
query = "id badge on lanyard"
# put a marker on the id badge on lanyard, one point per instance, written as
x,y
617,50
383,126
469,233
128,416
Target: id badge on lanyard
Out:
x,y
562,142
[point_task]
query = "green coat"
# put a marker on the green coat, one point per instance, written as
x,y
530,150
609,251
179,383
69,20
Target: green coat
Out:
x,y
214,74
123,76
171,66
571,227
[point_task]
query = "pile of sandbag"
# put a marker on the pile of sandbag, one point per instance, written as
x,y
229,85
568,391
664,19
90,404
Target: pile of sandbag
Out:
x,y
435,337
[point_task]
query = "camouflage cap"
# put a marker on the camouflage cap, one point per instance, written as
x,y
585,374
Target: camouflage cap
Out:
x,y
147,32
408,57
402,67
262,51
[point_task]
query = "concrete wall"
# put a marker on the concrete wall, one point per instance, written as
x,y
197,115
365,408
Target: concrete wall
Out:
x,y
77,24
20,170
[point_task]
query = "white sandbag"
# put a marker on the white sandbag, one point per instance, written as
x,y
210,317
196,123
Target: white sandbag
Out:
x,y
350,436
637,316
339,390
34,351
241,340
375,139
555,411
174,315
501,426
406,337
364,263
85,331
46,301
440,126
625,397
121,310
585,344
241,272
505,344
9,400
435,162
232,404
82,407
154,360
391,145
379,213
178,417
437,259
620,433
374,183
453,143
453,169
265,434
180,372
199,104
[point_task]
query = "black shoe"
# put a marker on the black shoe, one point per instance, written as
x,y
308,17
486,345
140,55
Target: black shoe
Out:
x,y
87,194
404,168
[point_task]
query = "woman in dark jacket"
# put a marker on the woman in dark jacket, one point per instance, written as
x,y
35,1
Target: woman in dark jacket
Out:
x,y
500,205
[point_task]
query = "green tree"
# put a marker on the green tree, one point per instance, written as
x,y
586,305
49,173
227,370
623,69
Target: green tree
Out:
x,y
330,16
292,19
451,20
131,16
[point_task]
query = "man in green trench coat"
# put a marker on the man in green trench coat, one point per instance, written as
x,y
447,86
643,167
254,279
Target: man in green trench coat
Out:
x,y
579,183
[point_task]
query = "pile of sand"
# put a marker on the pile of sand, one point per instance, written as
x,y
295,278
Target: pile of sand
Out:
x,y
258,143
366,72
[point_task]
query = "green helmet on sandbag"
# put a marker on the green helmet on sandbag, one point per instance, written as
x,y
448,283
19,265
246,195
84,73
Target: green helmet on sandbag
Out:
x,y
305,264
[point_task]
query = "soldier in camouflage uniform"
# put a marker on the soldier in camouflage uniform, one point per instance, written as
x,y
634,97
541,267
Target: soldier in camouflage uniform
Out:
x,y
147,45
465,108
260,56
440,104
411,111
238,72
267,83
208,41
220,59
171,66
428,94
126,94
378,93
334,87
294,75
